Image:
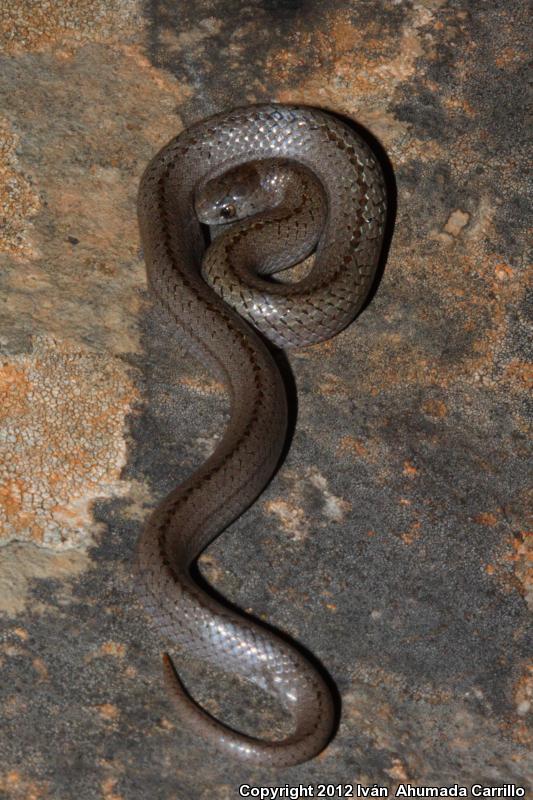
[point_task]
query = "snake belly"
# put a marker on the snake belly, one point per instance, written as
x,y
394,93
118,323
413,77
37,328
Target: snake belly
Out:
x,y
217,323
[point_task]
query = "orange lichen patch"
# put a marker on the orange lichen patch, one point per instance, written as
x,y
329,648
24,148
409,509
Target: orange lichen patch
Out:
x,y
296,597
63,446
14,707
108,711
115,649
14,389
11,501
397,770
422,150
19,202
522,557
458,104
409,469
292,518
414,533
435,408
285,62
486,518
328,347
508,57
349,444
40,668
392,362
108,789
490,569
349,67
503,271
21,634
17,787
333,386
519,373
33,24
521,733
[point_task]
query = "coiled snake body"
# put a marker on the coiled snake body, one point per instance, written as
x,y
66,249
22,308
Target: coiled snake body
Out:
x,y
289,179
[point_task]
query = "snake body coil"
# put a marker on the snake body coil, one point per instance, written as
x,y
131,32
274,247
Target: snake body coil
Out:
x,y
289,179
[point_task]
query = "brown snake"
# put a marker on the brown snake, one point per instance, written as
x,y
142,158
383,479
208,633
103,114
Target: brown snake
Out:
x,y
290,180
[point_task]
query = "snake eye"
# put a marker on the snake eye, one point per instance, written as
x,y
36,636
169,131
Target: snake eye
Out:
x,y
228,211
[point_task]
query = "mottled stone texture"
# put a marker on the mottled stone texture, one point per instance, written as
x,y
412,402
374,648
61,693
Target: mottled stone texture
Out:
x,y
392,541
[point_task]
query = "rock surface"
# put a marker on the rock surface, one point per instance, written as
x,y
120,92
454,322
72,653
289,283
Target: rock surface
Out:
x,y
392,541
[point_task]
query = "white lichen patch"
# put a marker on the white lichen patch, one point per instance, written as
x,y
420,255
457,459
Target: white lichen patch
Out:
x,y
291,517
335,508
456,222
62,413
22,562
290,510
205,445
19,201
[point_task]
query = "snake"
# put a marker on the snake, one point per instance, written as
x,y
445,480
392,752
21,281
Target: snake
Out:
x,y
224,207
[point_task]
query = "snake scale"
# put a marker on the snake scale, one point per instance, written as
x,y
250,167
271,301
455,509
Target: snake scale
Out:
x,y
271,183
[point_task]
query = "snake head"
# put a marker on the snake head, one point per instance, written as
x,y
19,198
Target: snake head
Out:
x,y
235,194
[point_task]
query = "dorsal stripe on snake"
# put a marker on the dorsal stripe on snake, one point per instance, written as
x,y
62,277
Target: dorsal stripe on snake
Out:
x,y
245,434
